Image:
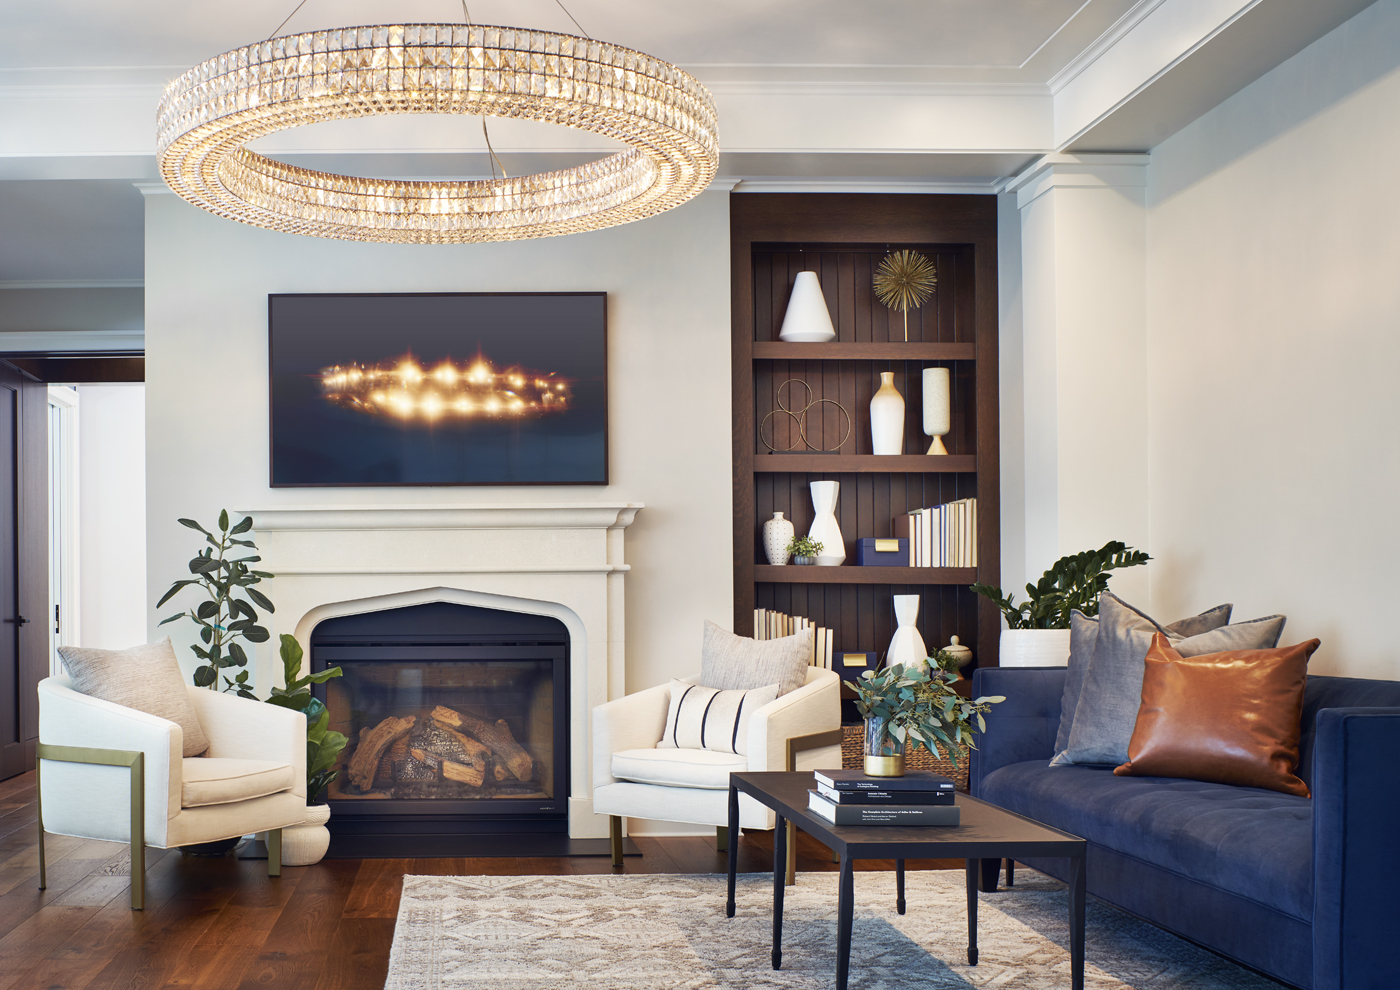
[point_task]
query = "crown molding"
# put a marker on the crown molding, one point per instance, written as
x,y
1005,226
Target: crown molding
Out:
x,y
74,283
837,185
72,341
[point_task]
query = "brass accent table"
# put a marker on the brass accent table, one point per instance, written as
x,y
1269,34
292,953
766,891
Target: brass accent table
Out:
x,y
986,833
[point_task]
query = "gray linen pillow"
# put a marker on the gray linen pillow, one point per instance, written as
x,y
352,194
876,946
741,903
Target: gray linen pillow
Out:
x,y
1084,635
729,662
146,678
1112,692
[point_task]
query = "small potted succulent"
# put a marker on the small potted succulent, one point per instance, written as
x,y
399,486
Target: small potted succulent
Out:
x,y
907,706
804,550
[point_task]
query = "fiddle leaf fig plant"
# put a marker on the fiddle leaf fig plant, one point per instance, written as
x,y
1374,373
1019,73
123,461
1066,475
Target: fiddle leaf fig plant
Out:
x,y
1073,582
920,706
222,616
322,744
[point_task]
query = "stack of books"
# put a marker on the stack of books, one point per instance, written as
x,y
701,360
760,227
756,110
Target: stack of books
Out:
x,y
768,624
942,535
850,797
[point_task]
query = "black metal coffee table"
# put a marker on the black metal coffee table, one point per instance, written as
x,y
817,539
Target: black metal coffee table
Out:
x,y
986,833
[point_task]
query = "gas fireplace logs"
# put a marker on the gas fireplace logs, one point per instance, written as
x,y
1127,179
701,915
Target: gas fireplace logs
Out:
x,y
497,736
372,745
423,757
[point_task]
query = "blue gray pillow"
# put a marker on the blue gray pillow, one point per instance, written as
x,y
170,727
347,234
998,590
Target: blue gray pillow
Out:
x,y
1111,694
1084,635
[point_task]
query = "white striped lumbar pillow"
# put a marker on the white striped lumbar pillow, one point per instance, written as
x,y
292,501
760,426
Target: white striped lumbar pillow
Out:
x,y
706,718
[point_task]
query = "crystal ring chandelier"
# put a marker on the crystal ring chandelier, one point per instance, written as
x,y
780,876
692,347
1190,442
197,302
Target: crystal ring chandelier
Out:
x,y
210,113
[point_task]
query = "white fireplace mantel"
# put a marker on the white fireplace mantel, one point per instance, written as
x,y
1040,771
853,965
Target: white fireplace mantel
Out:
x,y
559,559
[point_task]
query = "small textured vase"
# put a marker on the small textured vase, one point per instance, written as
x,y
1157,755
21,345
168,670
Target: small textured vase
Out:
x,y
824,528
906,646
777,534
884,751
887,417
938,417
305,844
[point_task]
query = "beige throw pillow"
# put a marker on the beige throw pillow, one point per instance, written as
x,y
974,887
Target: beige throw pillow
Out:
x,y
736,663
146,678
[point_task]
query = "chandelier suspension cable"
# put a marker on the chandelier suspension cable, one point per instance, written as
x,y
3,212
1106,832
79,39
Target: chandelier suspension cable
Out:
x,y
284,21
491,158
572,18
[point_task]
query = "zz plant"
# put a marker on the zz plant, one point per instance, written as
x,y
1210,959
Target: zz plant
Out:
x,y
920,707
1073,582
223,617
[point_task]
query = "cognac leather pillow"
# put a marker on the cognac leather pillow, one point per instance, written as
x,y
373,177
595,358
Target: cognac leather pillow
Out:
x,y
1229,718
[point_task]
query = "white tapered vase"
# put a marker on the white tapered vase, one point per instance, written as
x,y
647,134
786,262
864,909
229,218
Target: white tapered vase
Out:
x,y
824,528
887,417
938,416
906,646
807,319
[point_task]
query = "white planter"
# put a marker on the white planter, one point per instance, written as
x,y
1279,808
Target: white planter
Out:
x,y
305,844
1034,648
887,417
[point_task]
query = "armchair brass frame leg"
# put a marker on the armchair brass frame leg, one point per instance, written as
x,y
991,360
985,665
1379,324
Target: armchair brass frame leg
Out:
x,y
721,838
274,852
135,761
615,834
795,745
791,854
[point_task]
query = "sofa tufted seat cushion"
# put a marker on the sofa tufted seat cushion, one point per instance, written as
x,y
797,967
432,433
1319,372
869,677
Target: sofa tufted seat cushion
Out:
x,y
1251,842
701,768
223,781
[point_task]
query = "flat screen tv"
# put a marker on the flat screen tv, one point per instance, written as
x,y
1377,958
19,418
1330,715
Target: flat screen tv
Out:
x,y
451,388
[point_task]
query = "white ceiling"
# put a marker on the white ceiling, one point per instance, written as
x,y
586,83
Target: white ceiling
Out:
x,y
894,94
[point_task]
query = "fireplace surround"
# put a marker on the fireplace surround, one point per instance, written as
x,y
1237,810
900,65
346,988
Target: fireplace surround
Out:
x,y
562,561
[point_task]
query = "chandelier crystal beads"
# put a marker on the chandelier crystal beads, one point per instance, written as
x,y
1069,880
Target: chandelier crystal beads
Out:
x,y
664,116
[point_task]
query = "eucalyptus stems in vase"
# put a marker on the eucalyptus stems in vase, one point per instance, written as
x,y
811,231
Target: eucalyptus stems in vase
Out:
x,y
223,618
916,705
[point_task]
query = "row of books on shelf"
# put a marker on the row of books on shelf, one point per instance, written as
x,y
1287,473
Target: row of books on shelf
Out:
x,y
768,624
941,535
851,797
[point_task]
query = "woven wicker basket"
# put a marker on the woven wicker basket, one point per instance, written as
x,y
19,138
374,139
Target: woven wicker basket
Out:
x,y
853,758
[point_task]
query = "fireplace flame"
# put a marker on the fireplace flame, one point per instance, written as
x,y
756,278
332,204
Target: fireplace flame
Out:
x,y
404,389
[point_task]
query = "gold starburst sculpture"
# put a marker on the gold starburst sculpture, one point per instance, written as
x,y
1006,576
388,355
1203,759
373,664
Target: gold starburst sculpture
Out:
x,y
905,279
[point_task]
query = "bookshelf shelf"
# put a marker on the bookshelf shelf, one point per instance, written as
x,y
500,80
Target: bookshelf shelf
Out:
x,y
843,238
865,463
838,350
854,574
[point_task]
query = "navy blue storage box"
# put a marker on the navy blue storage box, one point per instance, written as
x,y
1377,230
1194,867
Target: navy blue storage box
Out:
x,y
882,553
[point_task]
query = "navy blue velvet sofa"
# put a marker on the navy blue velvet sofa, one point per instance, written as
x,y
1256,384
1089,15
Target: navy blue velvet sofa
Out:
x,y
1297,888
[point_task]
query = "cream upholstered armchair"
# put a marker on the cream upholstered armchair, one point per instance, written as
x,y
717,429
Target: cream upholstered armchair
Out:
x,y
800,730
111,772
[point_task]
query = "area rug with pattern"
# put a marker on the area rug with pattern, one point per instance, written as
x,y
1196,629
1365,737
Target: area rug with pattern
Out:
x,y
640,932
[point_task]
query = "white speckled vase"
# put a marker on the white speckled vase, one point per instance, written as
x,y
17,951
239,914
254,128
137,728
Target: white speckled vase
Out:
x,y
777,534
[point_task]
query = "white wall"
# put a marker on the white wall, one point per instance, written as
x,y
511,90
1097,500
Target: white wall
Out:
x,y
1273,308
667,280
112,515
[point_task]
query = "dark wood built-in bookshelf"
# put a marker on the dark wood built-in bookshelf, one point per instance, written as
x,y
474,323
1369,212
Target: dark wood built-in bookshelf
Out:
x,y
843,238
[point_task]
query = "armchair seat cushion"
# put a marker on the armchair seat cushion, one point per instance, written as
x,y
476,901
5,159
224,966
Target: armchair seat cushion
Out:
x,y
701,768
210,781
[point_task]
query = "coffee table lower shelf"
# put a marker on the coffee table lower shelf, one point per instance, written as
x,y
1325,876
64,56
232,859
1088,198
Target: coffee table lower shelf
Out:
x,y
986,833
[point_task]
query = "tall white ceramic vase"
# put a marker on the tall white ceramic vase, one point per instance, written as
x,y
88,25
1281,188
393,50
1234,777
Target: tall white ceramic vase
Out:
x,y
907,646
824,528
887,417
777,534
938,417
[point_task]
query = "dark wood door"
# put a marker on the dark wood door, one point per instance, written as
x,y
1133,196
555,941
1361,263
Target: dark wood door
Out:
x,y
24,564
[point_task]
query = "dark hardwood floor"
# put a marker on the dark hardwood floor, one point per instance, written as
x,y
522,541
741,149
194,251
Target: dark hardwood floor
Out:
x,y
223,924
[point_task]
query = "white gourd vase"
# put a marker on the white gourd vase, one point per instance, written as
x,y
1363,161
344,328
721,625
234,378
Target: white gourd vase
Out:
x,y
938,416
305,844
777,534
824,528
887,417
907,646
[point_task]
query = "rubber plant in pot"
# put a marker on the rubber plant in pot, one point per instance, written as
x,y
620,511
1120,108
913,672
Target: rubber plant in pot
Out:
x,y
227,613
913,705
1037,632
306,843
